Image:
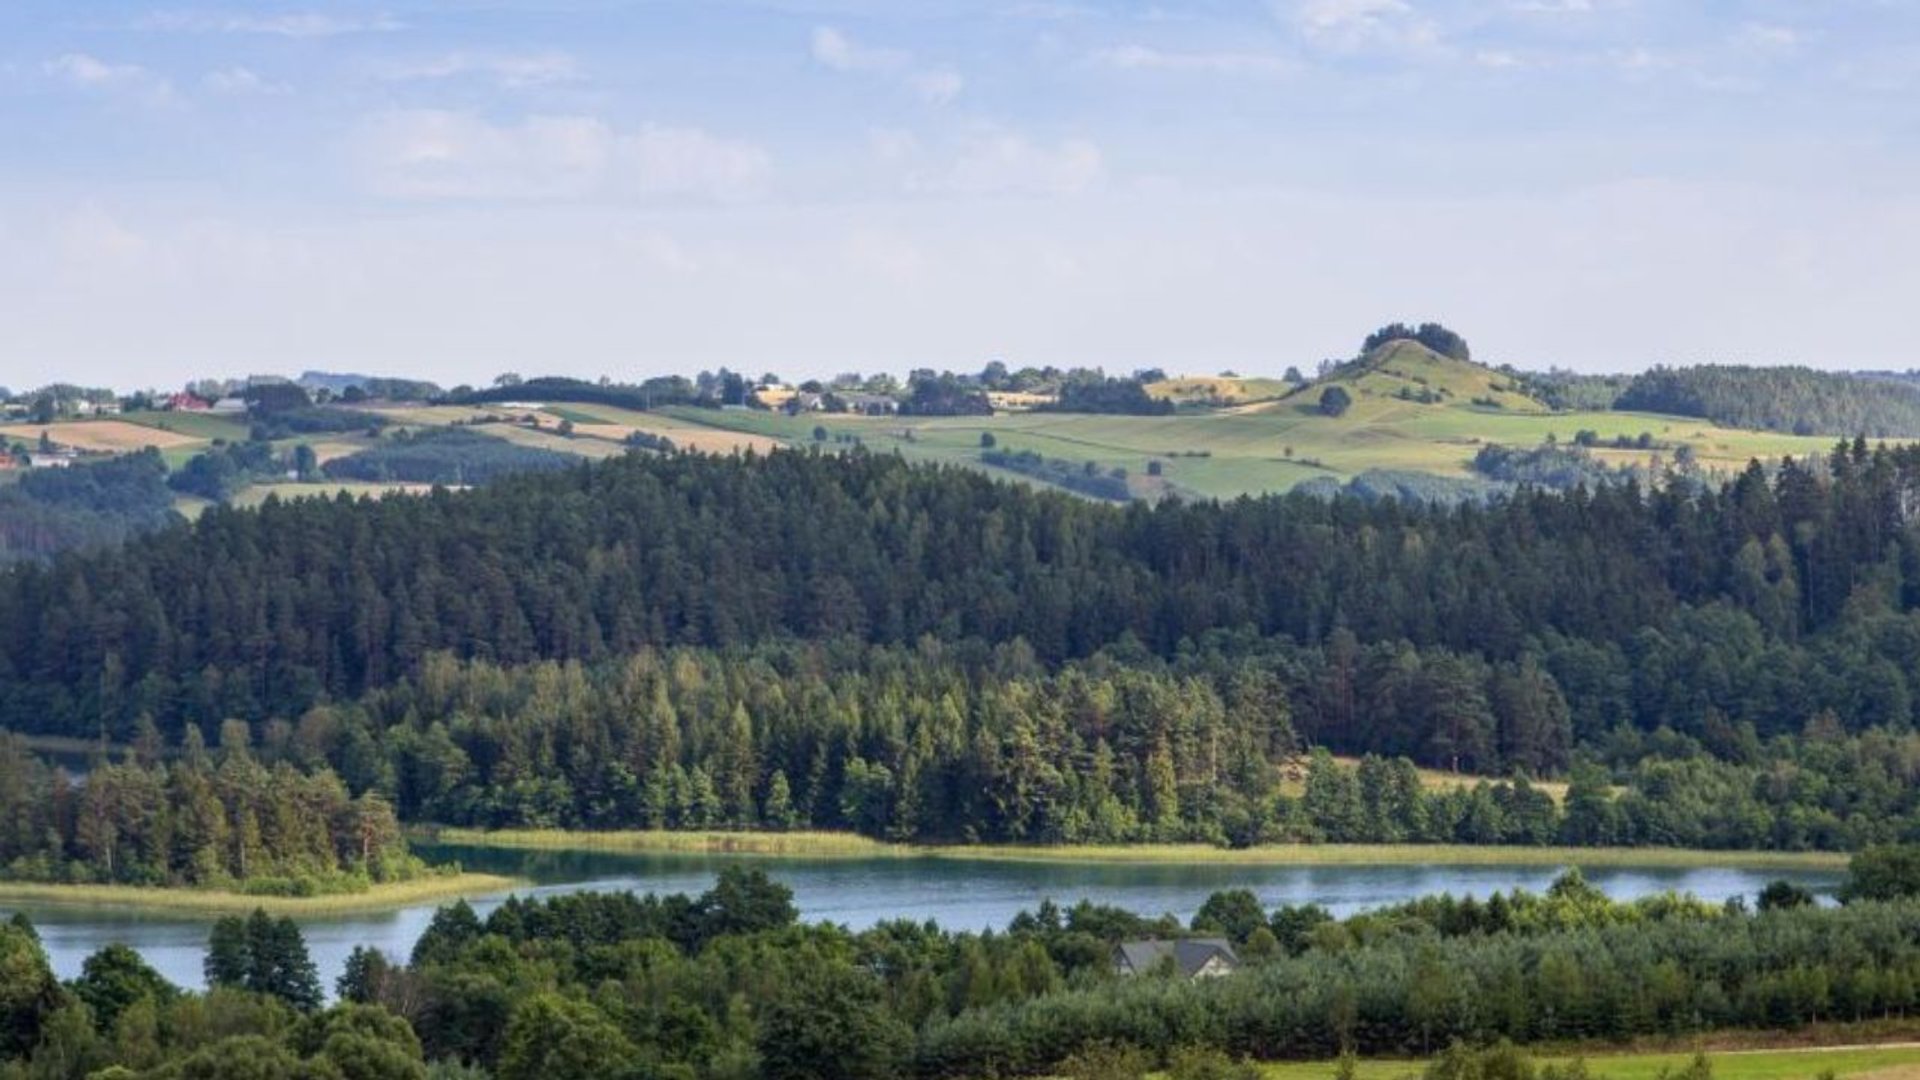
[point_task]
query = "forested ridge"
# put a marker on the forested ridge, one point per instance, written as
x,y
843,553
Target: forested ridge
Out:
x,y
1800,400
924,653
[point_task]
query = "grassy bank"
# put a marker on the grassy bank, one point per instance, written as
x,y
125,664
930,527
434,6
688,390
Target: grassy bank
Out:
x,y
1786,1063
829,845
219,902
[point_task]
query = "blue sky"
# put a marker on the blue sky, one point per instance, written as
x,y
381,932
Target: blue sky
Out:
x,y
455,189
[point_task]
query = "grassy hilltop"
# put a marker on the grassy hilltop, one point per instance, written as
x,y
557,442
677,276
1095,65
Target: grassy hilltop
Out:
x,y
1274,445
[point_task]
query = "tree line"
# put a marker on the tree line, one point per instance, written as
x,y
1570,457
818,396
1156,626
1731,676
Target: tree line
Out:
x,y
1800,400
90,505
206,819
278,608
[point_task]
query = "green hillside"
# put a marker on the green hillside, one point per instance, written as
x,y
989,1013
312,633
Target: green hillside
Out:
x,y
1402,371
1274,446
1413,412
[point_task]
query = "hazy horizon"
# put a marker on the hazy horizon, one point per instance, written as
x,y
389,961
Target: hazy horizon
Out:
x,y
449,190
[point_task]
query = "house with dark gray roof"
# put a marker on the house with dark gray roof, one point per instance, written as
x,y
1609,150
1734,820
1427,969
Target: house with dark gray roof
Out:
x,y
1192,958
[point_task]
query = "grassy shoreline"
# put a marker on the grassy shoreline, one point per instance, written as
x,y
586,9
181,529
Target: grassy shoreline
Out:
x,y
847,845
222,902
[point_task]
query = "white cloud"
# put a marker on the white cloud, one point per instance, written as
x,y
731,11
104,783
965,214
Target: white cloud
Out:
x,y
1003,163
434,154
91,238
835,51
129,81
938,87
1767,38
1554,7
511,70
1148,58
1357,25
240,82
293,24
689,162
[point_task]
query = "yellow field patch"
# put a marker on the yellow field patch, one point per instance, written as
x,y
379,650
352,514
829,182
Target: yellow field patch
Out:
x,y
715,441
258,493
99,436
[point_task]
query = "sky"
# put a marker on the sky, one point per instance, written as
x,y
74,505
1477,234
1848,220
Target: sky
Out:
x,y
450,189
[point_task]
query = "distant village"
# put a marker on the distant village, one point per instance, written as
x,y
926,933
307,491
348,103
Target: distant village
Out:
x,y
995,389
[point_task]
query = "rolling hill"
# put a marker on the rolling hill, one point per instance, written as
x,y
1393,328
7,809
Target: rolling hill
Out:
x,y
1416,414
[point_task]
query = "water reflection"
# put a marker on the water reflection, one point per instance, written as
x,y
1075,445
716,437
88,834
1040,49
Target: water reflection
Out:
x,y
959,893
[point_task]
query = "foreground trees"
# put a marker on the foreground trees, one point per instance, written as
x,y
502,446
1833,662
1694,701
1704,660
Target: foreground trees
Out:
x,y
728,986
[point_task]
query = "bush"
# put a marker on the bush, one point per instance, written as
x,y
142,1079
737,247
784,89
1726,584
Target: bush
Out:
x,y
1201,1063
1335,401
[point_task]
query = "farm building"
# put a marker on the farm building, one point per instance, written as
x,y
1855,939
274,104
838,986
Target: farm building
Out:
x,y
1191,958
870,404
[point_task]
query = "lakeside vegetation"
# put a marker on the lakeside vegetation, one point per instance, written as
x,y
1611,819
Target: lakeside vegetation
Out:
x,y
728,985
849,845
377,897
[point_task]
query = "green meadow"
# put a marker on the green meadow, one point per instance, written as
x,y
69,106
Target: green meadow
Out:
x,y
1898,1061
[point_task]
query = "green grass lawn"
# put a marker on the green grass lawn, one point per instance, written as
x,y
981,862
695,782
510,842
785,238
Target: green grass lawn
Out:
x,y
199,425
1778,1064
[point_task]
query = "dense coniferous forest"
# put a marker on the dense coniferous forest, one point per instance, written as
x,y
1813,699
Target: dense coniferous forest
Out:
x,y
83,506
1157,667
219,819
1793,399
444,456
728,985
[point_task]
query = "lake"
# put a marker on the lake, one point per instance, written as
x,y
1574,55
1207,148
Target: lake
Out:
x,y
970,894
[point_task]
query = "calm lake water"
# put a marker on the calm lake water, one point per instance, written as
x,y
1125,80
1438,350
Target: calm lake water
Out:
x,y
958,893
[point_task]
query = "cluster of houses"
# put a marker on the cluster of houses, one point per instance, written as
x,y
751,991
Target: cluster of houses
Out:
x,y
187,402
791,400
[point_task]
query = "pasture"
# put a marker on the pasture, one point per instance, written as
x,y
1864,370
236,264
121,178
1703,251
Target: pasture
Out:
x,y
100,436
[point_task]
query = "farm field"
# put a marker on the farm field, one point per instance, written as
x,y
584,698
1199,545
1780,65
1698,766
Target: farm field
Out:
x,y
1412,411
694,429
100,436
202,426
259,493
1274,446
